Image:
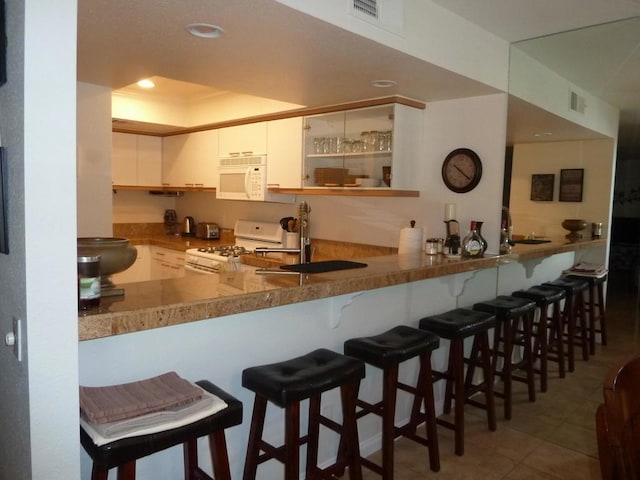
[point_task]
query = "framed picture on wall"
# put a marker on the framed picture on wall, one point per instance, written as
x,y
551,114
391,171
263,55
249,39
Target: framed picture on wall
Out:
x,y
571,180
542,187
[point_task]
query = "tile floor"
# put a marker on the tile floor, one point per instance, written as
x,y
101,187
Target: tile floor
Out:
x,y
551,438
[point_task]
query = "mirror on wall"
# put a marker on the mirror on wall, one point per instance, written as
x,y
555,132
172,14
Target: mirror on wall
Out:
x,y
591,121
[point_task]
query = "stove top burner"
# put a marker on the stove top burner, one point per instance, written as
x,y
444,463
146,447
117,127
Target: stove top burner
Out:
x,y
225,251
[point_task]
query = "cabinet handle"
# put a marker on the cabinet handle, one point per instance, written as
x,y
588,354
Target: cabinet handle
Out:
x,y
189,184
247,153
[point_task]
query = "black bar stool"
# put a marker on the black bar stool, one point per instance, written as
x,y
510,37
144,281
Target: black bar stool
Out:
x,y
455,326
548,344
595,310
124,453
514,327
387,351
573,316
286,384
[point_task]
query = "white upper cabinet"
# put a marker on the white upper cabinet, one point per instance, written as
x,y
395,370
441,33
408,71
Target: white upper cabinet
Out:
x,y
136,160
190,160
249,139
284,152
373,147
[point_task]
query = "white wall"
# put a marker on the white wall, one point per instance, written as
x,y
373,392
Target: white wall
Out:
x,y
545,218
94,161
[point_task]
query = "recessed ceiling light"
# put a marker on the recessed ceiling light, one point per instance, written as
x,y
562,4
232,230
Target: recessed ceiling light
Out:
x,y
383,83
146,83
204,30
543,134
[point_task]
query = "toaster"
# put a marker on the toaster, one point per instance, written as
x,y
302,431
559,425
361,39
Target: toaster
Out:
x,y
207,230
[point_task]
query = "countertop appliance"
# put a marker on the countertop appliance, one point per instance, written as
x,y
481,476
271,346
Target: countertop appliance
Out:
x,y
207,231
249,235
244,177
188,227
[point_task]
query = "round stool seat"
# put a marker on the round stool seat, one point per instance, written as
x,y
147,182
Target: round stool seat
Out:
x,y
302,377
458,323
505,307
393,346
571,285
543,295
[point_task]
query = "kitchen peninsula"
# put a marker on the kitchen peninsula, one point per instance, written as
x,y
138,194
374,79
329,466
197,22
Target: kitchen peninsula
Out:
x,y
155,304
215,326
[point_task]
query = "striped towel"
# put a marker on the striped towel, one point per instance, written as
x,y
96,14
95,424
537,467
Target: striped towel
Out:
x,y
117,402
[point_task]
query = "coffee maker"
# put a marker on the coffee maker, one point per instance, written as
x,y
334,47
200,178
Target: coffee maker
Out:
x,y
171,222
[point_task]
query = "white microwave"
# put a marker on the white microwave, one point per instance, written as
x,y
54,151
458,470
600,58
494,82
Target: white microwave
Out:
x,y
245,178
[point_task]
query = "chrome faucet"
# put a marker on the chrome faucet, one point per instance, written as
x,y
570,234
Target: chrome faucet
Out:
x,y
305,239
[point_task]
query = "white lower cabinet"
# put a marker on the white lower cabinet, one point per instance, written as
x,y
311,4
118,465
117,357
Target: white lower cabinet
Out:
x,y
166,263
140,271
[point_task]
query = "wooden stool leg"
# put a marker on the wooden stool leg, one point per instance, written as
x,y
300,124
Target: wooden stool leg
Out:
x,y
292,441
255,437
570,321
190,454
507,370
127,471
457,368
592,318
488,380
349,394
541,348
450,378
99,474
425,387
527,328
219,455
581,316
313,432
601,314
389,395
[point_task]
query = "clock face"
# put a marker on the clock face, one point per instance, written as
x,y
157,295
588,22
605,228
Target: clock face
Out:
x,y
462,170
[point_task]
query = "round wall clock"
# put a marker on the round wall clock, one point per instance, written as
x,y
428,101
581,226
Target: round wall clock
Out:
x,y
462,170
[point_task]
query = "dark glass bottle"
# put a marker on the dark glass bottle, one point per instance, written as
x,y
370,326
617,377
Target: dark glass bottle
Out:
x,y
484,240
472,244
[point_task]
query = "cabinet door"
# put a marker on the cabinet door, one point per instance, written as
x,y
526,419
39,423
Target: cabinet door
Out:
x,y
284,152
149,160
124,161
140,271
343,147
249,139
190,160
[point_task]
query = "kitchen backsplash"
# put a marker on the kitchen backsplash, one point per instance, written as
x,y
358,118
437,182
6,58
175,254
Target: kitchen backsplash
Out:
x,y
322,249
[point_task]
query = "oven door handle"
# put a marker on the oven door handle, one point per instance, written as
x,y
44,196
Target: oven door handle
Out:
x,y
191,268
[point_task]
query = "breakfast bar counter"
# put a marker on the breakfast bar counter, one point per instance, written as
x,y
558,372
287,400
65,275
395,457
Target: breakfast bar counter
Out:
x,y
156,304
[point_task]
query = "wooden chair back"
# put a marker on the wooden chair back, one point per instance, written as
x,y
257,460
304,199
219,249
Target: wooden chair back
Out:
x,y
618,422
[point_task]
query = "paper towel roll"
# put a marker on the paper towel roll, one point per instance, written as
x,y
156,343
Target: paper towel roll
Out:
x,y
410,240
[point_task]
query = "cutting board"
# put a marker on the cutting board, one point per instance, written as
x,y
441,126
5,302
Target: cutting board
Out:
x,y
323,267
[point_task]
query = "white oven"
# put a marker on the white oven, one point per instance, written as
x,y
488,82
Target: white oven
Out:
x,y
218,259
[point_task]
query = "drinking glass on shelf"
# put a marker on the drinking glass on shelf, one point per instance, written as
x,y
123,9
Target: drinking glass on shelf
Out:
x,y
317,144
356,146
333,144
388,139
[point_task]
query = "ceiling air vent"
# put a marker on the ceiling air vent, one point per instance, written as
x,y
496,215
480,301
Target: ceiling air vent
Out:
x,y
366,7
576,102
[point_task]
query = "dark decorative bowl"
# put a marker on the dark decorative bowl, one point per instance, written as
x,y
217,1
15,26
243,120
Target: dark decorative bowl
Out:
x,y
575,226
116,255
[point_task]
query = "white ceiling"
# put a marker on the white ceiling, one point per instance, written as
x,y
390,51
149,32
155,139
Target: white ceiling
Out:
x,y
298,59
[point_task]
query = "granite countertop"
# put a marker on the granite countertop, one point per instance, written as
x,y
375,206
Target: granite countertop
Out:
x,y
155,304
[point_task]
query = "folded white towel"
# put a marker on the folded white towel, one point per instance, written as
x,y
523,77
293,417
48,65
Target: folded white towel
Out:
x,y
154,422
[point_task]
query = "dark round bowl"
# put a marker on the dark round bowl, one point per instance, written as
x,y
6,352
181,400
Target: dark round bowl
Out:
x,y
574,225
116,255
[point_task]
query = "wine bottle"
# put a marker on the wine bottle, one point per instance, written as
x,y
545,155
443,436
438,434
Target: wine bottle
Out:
x,y
472,244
